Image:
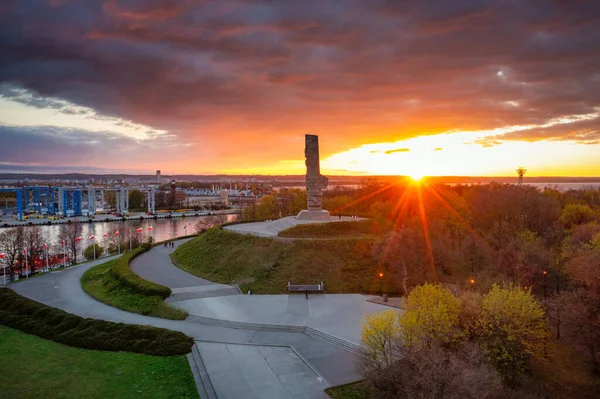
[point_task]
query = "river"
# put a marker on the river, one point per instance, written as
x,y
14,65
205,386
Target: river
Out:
x,y
162,229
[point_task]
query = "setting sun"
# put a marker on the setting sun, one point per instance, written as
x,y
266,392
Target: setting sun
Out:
x,y
416,176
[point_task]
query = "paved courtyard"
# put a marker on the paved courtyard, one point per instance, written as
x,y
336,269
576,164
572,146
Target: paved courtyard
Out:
x,y
338,315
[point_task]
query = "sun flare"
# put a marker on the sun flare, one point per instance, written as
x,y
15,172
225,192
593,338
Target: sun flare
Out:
x,y
416,176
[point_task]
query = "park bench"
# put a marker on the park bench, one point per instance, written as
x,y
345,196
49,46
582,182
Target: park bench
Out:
x,y
305,287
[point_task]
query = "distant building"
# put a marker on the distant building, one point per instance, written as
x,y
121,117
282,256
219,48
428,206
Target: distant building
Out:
x,y
158,176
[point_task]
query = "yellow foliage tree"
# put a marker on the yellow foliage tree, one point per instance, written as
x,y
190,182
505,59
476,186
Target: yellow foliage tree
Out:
x,y
513,326
379,332
432,316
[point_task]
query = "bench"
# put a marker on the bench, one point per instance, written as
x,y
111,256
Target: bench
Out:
x,y
306,287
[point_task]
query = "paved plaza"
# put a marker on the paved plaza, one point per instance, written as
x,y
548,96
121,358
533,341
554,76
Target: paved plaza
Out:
x,y
338,315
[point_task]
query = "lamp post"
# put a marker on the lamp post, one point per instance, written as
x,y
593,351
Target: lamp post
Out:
x,y
381,284
26,265
545,286
472,282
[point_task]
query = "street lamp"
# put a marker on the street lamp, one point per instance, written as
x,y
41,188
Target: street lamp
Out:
x,y
472,282
545,286
381,283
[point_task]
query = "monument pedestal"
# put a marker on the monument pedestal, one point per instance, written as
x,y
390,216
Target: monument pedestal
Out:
x,y
314,215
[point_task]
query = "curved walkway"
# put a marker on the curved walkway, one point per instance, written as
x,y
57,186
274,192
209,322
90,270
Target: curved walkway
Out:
x,y
62,289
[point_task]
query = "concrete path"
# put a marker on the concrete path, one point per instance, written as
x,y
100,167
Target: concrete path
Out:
x,y
62,289
156,266
273,227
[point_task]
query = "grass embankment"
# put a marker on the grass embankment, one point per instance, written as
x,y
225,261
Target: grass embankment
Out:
x,y
36,368
358,229
54,324
100,283
265,266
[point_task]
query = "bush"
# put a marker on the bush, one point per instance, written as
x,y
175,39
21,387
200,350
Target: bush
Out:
x,y
88,253
123,273
54,324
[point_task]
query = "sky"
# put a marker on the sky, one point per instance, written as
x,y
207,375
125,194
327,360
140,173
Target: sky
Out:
x,y
391,87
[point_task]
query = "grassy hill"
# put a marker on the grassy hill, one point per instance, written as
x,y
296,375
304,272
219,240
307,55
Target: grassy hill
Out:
x,y
265,265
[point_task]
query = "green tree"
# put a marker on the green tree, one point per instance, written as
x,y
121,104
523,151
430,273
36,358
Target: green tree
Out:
x,y
136,199
88,253
432,316
513,328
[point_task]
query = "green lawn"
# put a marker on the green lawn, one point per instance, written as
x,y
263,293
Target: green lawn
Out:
x,y
265,265
39,369
357,390
357,229
99,283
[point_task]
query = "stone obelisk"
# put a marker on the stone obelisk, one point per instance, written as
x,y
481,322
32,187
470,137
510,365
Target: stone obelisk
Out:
x,y
315,182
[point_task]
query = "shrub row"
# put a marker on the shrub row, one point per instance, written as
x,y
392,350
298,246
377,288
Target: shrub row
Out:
x,y
54,324
122,272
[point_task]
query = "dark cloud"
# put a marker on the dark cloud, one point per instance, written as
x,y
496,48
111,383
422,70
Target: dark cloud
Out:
x,y
234,74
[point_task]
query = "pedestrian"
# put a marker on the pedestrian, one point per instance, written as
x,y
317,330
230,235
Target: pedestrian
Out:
x,y
306,294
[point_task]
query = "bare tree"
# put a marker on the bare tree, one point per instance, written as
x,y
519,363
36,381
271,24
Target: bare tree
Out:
x,y
33,243
439,372
11,243
69,233
208,222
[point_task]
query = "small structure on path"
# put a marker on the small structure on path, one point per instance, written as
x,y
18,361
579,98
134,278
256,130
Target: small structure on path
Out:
x,y
315,182
306,287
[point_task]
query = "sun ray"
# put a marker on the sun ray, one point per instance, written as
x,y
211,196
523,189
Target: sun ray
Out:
x,y
423,217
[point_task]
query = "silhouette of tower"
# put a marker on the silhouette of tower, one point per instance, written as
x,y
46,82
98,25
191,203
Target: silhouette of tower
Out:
x,y
521,172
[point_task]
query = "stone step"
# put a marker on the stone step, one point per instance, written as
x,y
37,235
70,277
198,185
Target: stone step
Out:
x,y
311,332
333,340
201,377
184,296
243,325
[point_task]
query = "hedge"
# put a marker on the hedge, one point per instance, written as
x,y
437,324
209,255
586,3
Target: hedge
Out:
x,y
122,272
56,325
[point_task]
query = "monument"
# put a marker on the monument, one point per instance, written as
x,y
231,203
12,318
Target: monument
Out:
x,y
315,182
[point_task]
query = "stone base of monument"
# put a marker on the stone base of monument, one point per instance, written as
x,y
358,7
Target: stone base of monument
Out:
x,y
314,215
